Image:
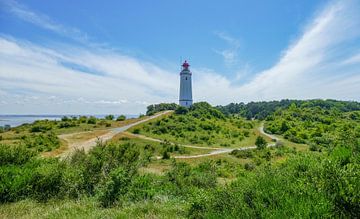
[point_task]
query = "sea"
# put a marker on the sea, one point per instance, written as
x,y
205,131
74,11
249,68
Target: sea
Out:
x,y
17,120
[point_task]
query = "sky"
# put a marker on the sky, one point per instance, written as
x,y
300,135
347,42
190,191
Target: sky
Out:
x,y
98,57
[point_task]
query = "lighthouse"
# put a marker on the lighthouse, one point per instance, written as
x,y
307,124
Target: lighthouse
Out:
x,y
185,98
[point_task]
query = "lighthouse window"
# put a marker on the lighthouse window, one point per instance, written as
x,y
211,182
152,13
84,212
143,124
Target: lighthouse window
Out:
x,y
185,78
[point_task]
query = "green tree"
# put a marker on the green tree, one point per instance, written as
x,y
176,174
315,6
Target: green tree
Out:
x,y
91,120
260,143
109,117
121,118
181,110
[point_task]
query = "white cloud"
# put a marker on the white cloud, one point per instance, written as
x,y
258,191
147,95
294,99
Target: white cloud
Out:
x,y
29,69
43,21
305,66
355,59
230,55
316,65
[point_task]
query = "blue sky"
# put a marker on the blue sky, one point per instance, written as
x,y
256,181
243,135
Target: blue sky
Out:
x,y
119,56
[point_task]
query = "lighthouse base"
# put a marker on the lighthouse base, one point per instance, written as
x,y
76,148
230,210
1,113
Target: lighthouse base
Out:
x,y
185,103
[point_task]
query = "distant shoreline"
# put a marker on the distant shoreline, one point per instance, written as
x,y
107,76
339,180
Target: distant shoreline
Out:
x,y
15,120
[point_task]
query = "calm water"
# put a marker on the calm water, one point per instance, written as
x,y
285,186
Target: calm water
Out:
x,y
16,120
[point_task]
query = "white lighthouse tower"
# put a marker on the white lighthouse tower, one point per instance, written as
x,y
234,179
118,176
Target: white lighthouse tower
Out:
x,y
185,98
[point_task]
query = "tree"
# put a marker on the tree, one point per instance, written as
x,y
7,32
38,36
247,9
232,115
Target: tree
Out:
x,y
260,143
181,110
91,120
109,117
121,118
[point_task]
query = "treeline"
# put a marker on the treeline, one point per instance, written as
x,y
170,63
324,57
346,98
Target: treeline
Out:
x,y
260,110
155,108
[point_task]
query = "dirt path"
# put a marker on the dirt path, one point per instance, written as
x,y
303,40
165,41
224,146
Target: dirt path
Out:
x,y
88,144
214,151
261,130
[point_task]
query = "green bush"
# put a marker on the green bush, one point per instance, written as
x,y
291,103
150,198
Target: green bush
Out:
x,y
136,131
40,128
180,110
41,142
46,181
114,187
260,143
109,117
92,120
165,155
15,154
121,118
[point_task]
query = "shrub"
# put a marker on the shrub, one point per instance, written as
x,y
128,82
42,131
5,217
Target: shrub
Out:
x,y
136,131
165,155
109,117
46,180
41,142
260,143
142,187
121,118
16,155
65,119
180,110
82,119
152,109
249,166
67,124
91,120
115,187
40,128
314,147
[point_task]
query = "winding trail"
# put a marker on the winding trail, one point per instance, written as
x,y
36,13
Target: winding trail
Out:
x,y
214,151
88,144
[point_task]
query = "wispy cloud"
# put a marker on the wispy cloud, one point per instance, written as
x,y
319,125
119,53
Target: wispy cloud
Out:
x,y
43,21
38,70
230,54
321,63
315,58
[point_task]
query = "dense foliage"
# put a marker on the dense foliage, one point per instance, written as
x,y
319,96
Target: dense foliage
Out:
x,y
306,185
276,182
201,124
260,110
315,126
155,108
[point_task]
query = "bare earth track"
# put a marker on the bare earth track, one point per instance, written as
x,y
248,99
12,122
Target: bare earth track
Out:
x,y
86,145
90,143
214,150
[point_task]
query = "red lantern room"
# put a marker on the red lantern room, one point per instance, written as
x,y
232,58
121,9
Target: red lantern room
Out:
x,y
185,65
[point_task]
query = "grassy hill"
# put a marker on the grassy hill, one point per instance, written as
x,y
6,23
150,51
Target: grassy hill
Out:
x,y
202,125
